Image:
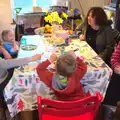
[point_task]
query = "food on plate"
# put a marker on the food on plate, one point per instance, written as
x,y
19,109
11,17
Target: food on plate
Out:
x,y
29,47
55,40
29,68
72,47
61,31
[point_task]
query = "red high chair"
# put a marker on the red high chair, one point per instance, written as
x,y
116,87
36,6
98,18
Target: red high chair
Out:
x,y
84,109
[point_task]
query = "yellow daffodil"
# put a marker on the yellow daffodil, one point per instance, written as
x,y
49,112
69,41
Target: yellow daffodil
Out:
x,y
60,20
48,19
64,15
54,17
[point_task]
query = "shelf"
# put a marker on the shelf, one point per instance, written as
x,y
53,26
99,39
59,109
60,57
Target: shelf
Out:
x,y
110,8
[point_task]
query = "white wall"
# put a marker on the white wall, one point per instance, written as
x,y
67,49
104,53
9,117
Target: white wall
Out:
x,y
98,3
60,2
5,15
86,4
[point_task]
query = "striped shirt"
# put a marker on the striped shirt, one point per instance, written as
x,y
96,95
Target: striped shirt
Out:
x,y
115,59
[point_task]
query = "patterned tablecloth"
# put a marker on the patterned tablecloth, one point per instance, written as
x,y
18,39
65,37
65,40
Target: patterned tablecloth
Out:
x,y
24,87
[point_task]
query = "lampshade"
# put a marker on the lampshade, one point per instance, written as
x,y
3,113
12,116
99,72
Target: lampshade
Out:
x,y
17,10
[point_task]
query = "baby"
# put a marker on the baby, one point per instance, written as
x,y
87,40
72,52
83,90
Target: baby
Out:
x,y
65,82
9,42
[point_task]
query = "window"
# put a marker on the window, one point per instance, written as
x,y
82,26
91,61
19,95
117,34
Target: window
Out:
x,y
46,3
26,5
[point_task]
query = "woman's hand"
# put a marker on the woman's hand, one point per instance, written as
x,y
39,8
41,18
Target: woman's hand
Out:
x,y
82,37
35,58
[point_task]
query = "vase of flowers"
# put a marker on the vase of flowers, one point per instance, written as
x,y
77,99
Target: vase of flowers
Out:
x,y
55,19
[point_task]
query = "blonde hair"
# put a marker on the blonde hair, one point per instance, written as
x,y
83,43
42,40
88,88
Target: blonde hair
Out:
x,y
4,35
66,65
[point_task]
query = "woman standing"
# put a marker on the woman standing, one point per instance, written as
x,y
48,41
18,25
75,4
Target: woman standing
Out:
x,y
97,31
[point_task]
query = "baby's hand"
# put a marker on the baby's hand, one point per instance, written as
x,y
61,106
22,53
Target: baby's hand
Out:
x,y
15,45
13,41
53,58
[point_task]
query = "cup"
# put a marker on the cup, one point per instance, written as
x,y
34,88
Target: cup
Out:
x,y
23,41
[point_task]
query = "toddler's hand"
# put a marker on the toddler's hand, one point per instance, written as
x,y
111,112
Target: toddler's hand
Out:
x,y
53,58
82,37
71,52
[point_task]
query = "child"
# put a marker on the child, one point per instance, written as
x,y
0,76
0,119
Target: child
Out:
x,y
9,42
6,73
65,82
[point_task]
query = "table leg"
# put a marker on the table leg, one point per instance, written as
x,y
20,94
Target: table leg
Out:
x,y
26,115
2,110
29,115
2,114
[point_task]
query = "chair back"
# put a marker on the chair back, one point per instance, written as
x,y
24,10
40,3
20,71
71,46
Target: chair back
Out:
x,y
69,110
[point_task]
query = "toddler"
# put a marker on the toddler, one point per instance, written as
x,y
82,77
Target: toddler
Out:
x,y
65,81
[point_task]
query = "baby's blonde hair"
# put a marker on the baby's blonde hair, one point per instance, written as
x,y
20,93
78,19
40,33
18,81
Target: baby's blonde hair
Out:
x,y
4,35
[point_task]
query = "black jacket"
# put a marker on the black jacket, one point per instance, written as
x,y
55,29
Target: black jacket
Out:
x,y
104,41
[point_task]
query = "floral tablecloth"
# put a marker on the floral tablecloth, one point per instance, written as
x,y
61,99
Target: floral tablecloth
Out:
x,y
24,87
